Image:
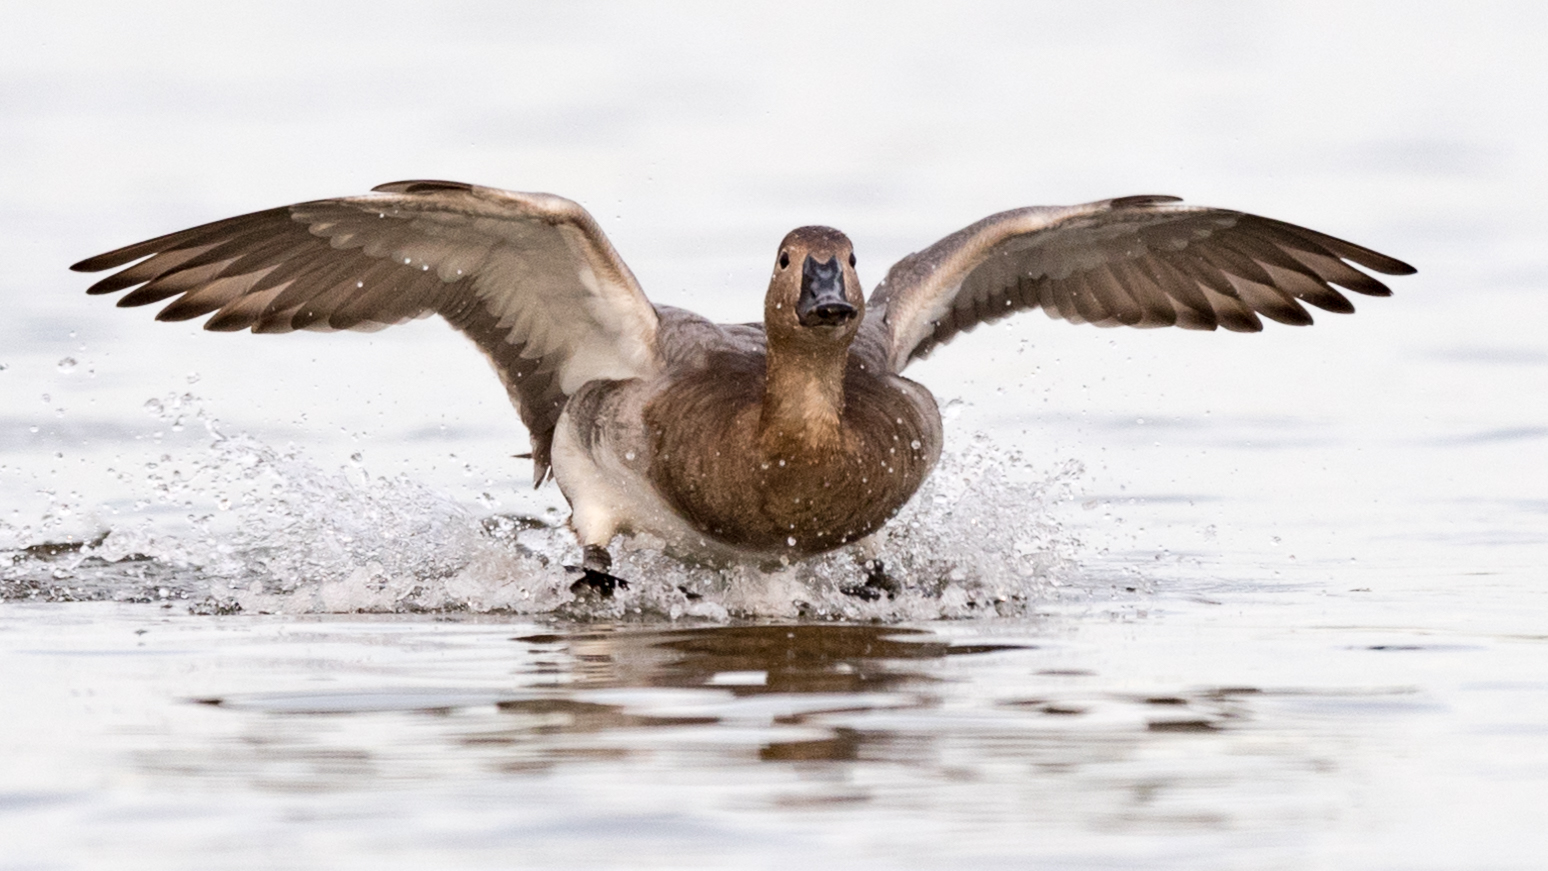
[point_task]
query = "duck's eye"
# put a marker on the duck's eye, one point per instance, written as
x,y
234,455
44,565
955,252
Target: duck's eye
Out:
x,y
784,259
851,260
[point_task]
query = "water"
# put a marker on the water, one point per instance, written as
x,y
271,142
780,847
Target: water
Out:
x,y
1173,600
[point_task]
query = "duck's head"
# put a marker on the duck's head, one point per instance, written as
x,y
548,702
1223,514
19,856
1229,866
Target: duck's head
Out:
x,y
814,295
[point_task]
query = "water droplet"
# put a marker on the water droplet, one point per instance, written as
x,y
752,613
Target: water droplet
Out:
x,y
629,455
790,541
67,365
914,444
193,377
153,407
356,457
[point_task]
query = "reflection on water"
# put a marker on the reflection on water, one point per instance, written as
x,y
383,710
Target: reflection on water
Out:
x,y
753,660
842,671
472,741
886,707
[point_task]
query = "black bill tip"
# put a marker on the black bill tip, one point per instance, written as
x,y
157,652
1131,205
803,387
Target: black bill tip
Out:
x,y
822,302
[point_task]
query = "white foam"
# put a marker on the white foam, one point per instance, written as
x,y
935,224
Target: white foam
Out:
x,y
244,525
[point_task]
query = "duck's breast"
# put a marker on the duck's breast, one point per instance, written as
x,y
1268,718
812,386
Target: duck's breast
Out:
x,y
709,465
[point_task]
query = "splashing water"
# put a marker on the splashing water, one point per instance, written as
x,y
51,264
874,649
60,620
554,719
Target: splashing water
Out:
x,y
268,531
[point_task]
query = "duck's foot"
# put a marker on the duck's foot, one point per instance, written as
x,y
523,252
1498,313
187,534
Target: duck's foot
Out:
x,y
595,582
877,584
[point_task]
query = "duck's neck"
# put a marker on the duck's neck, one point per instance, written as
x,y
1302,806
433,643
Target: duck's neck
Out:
x,y
803,401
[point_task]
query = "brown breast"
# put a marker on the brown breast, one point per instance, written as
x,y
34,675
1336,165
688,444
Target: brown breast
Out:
x,y
709,465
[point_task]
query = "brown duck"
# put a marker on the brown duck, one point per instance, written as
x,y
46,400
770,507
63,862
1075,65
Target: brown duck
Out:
x,y
775,440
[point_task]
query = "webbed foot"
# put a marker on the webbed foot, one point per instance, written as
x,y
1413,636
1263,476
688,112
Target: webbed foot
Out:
x,y
877,583
595,581
595,584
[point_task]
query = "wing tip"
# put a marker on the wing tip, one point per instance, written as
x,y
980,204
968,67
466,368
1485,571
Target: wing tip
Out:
x,y
1142,200
176,313
104,261
1374,261
228,323
112,284
421,186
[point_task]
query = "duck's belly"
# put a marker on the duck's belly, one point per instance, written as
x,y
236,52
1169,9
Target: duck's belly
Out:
x,y
601,464
798,506
775,516
608,495
722,479
602,461
702,483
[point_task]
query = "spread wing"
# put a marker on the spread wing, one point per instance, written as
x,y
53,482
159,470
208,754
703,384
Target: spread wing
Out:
x,y
530,278
1144,261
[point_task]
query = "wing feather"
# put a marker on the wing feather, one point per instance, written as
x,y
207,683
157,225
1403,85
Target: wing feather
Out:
x,y
171,284
1142,261
208,296
530,278
1179,288
1267,300
1126,299
241,313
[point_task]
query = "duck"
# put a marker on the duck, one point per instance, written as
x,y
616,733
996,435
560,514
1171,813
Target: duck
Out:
x,y
770,441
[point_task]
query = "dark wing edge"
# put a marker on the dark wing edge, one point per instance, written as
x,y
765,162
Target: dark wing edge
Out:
x,y
518,274
1140,261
